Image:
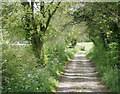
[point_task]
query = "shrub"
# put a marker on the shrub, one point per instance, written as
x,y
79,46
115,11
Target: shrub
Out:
x,y
22,74
106,64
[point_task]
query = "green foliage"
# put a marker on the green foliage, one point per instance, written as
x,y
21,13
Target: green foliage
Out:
x,y
106,64
102,27
57,56
102,21
22,74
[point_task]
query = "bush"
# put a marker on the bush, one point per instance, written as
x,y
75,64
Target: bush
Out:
x,y
20,71
106,64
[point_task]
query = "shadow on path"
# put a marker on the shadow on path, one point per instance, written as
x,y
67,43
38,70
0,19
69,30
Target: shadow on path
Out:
x,y
80,75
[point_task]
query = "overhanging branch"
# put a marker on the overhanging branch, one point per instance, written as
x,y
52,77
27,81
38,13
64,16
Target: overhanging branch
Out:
x,y
50,15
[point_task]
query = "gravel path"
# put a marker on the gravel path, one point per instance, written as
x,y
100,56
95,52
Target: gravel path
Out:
x,y
80,75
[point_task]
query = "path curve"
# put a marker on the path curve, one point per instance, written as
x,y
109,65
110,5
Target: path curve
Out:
x,y
80,75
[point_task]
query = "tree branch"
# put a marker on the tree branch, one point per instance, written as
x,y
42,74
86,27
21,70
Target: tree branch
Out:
x,y
55,8
42,6
70,14
50,15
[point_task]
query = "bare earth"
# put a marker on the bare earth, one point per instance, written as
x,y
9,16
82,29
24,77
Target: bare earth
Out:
x,y
80,75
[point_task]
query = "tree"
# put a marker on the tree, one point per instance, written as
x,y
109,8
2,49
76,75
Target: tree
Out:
x,y
34,21
102,21
36,36
103,29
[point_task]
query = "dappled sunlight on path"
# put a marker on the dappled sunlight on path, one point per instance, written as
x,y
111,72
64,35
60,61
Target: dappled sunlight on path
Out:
x,y
80,75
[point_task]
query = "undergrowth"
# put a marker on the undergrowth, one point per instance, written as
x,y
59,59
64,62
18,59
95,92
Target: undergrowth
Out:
x,y
106,64
20,71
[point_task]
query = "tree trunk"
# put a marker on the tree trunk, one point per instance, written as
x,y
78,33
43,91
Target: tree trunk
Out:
x,y
37,46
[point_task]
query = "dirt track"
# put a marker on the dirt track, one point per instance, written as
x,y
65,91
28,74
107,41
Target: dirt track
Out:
x,y
80,75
